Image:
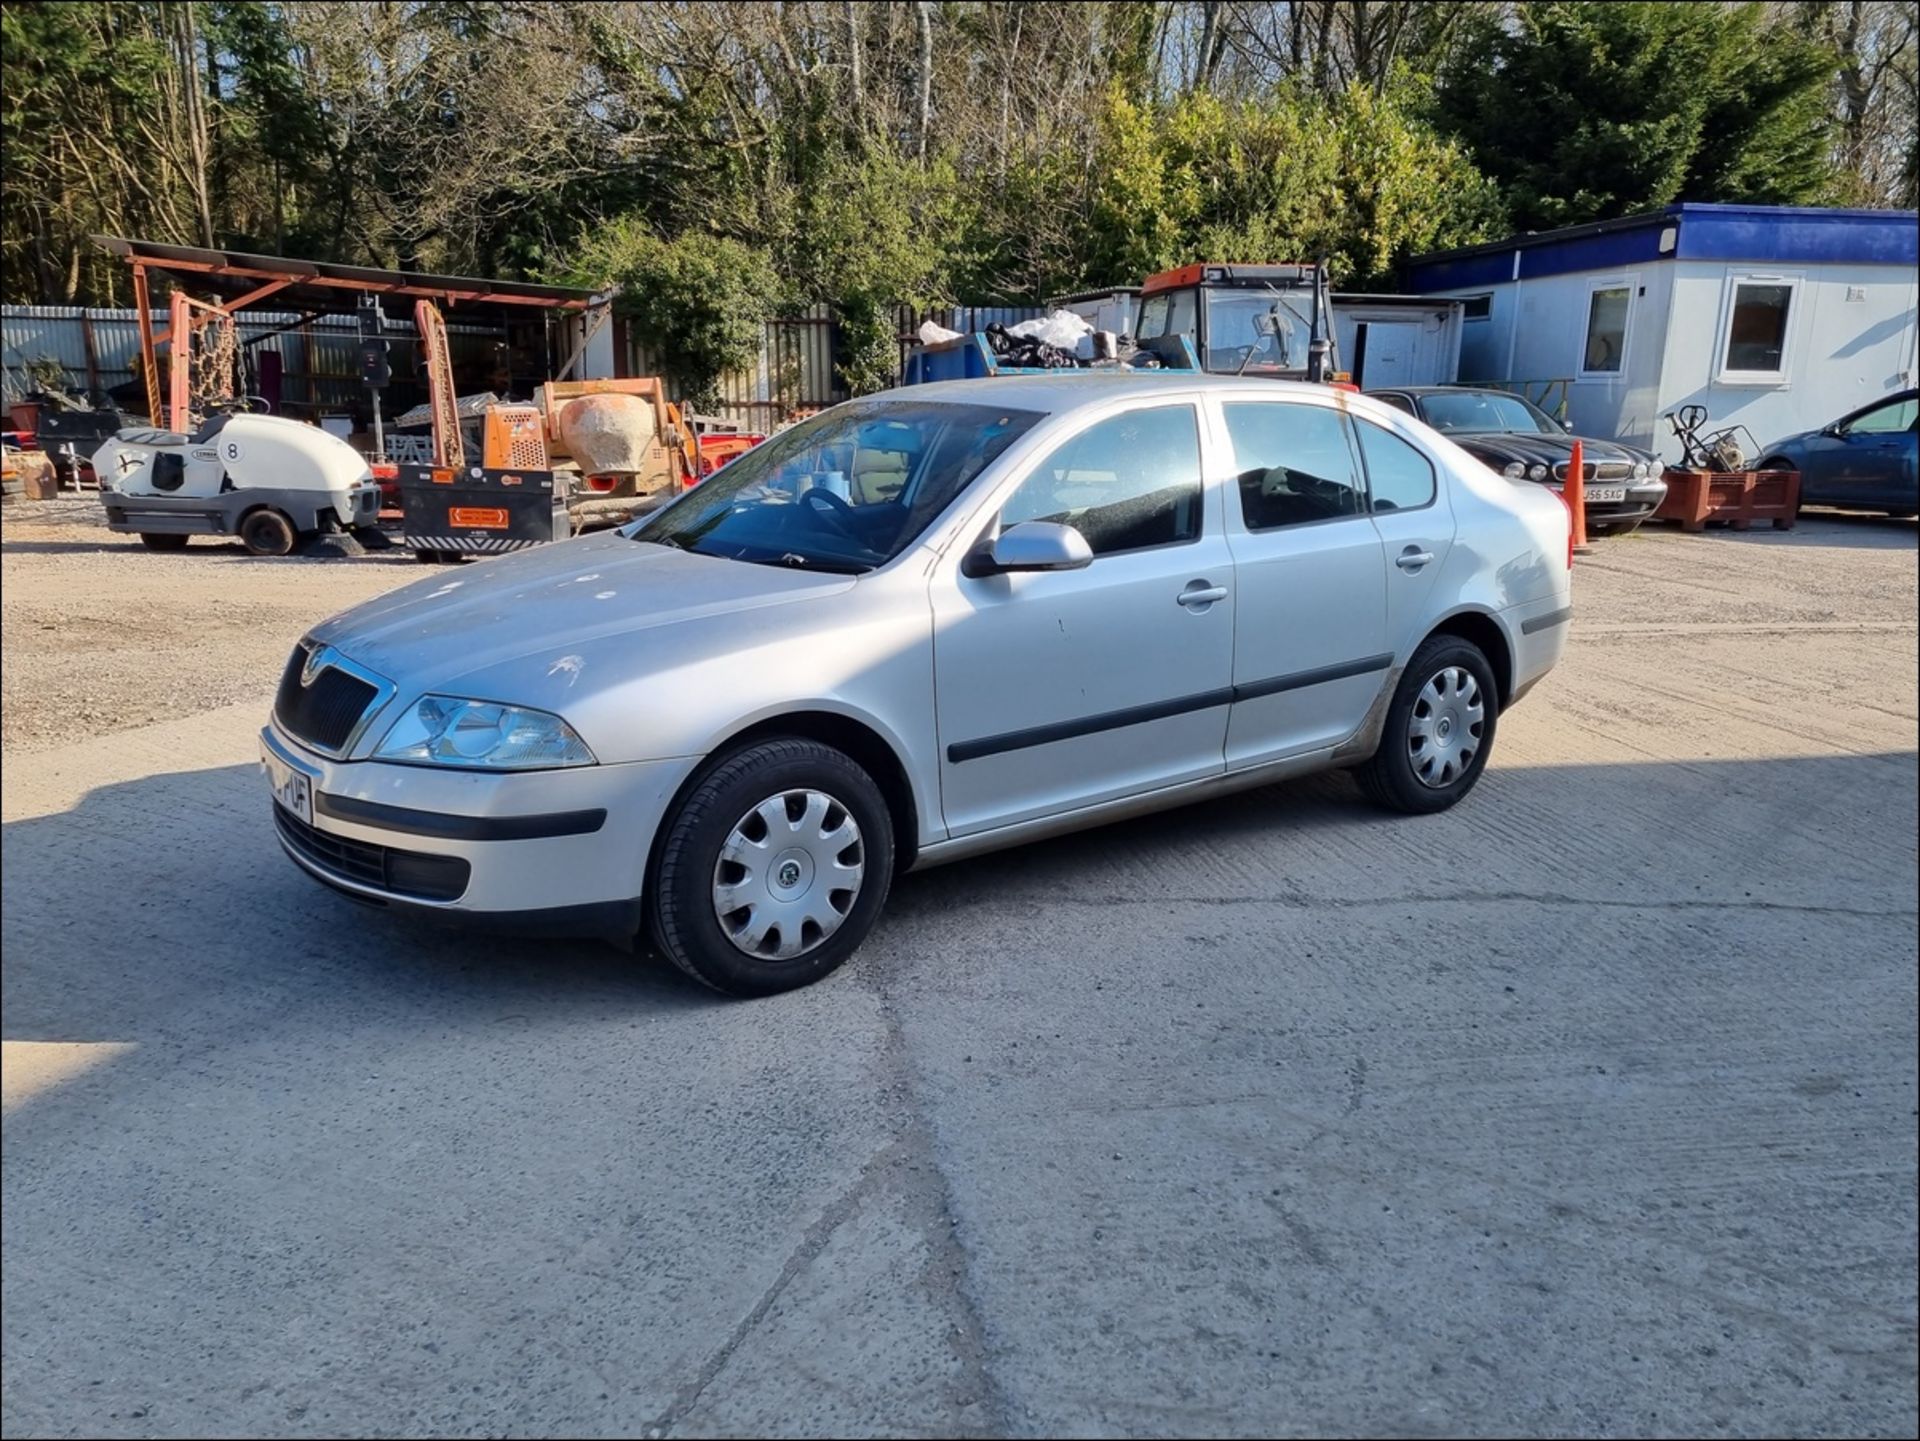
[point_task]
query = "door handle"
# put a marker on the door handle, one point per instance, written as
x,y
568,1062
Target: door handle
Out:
x,y
1412,558
1199,595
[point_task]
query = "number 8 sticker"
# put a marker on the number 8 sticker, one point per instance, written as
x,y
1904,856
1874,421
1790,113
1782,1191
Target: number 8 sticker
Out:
x,y
233,450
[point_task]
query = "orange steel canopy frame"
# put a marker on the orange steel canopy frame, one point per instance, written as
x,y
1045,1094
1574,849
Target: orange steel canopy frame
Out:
x,y
239,280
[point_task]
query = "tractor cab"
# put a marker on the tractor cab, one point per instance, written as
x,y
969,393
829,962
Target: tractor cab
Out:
x,y
1270,320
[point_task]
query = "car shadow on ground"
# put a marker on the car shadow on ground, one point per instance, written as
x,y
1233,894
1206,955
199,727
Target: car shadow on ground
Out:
x,y
157,906
159,898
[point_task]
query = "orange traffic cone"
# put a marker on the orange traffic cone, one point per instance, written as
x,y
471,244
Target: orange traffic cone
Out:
x,y
1574,492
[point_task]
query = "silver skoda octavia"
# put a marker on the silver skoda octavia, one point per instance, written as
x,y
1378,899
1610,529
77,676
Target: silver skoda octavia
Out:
x,y
919,626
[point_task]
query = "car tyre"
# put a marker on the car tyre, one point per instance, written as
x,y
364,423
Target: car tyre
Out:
x,y
1439,729
154,541
787,897
267,532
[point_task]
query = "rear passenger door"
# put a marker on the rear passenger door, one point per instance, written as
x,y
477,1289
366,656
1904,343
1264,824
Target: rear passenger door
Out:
x,y
1311,645
1413,517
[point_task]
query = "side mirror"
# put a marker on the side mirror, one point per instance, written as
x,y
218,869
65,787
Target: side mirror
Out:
x,y
1834,431
1030,545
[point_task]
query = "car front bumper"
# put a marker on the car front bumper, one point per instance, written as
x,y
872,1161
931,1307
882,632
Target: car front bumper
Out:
x,y
515,850
1642,500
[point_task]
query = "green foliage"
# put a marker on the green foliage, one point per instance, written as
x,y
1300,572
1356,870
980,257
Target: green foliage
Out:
x,y
700,301
1583,110
877,230
1293,177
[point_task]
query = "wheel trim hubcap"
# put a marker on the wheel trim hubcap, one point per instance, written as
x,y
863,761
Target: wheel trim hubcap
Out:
x,y
1444,732
788,875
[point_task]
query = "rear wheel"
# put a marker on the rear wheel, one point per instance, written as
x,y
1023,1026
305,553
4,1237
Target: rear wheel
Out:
x,y
1776,462
267,532
162,542
1439,729
773,868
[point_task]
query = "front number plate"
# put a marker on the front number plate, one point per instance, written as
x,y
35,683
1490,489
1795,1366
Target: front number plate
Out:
x,y
291,788
1606,492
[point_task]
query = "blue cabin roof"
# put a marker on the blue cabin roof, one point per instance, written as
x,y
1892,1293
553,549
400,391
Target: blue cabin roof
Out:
x,y
1778,234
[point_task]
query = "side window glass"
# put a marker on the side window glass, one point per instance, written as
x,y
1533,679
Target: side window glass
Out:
x,y
1887,420
1398,476
1125,483
1398,402
1295,465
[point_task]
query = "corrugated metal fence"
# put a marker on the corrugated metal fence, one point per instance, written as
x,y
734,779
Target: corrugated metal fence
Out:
x,y
795,371
97,350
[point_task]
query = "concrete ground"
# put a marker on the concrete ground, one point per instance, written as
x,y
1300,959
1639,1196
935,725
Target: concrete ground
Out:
x,y
1586,1108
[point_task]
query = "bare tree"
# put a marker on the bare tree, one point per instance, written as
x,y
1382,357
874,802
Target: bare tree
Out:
x,y
923,16
1874,91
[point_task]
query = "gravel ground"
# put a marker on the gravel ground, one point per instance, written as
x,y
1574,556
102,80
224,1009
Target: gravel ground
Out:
x,y
102,634
1586,1108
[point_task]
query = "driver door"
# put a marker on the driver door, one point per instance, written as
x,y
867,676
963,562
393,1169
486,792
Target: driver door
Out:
x,y
1869,462
1062,689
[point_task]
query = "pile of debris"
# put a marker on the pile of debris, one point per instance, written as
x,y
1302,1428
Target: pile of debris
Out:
x,y
1061,340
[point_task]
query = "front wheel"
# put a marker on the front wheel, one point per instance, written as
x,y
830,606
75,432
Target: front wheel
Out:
x,y
773,868
1439,729
267,532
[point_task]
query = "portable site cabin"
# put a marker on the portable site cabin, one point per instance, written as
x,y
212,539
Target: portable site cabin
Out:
x,y
1777,318
1398,339
1379,339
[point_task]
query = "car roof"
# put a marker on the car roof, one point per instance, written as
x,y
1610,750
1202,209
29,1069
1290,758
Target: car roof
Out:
x,y
1443,390
1073,389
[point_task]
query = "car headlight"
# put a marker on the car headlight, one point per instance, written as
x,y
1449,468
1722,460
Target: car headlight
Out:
x,y
1536,471
1641,470
1515,471
451,731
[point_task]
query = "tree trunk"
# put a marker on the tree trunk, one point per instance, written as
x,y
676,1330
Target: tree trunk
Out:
x,y
1323,55
923,13
855,48
193,113
1209,23
1854,85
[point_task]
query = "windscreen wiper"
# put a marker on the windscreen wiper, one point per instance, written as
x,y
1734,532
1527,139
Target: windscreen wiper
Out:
x,y
793,560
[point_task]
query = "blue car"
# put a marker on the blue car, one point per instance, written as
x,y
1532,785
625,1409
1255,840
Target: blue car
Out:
x,y
1869,460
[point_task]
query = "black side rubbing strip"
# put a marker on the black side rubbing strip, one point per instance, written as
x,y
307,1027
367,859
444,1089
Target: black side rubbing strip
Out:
x,y
1136,715
1302,679
458,828
1086,725
1547,621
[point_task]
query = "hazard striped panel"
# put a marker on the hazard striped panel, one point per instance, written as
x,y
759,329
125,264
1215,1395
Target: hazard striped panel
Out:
x,y
480,544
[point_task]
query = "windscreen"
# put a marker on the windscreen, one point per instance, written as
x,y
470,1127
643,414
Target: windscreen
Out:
x,y
846,491
1475,411
1236,333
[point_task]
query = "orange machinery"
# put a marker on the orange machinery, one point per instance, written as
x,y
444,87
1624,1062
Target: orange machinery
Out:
x,y
664,450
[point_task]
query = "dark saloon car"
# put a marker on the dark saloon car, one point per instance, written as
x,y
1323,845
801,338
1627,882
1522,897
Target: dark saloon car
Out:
x,y
1522,441
1864,461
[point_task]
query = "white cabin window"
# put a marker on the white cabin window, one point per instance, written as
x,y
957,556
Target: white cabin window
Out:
x,y
1476,307
1604,349
1755,337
